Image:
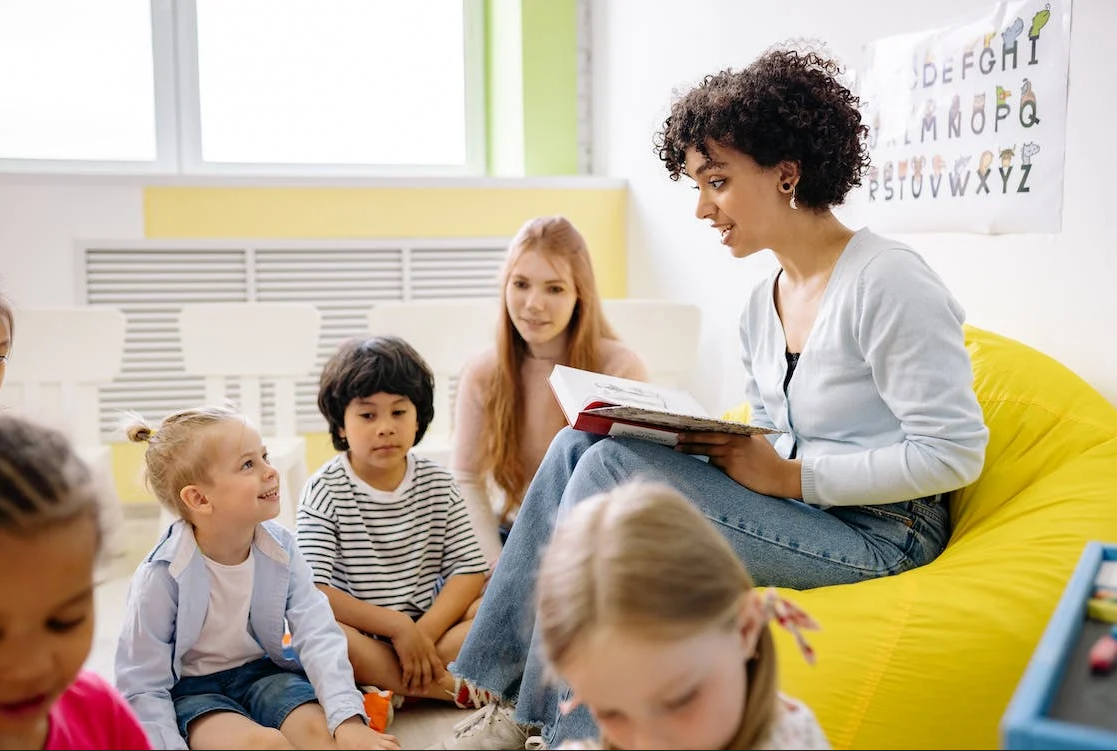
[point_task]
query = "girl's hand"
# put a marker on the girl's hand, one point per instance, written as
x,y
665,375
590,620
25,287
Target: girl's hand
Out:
x,y
750,460
418,660
355,734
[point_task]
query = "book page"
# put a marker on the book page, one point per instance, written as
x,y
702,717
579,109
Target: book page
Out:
x,y
578,390
569,386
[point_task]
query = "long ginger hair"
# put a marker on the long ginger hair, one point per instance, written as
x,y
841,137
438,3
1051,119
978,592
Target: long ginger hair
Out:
x,y
563,246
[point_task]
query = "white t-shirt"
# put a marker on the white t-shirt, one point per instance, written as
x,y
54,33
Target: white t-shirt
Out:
x,y
795,727
226,640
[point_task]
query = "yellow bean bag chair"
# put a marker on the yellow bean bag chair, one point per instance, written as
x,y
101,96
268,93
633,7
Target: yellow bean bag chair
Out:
x,y
931,657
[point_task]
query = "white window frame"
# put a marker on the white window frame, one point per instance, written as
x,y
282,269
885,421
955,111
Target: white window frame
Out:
x,y
174,42
166,131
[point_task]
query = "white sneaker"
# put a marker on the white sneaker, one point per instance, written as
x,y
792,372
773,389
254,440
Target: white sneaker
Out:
x,y
536,743
491,727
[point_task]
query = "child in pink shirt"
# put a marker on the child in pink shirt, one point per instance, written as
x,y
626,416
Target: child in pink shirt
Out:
x,y
92,714
50,537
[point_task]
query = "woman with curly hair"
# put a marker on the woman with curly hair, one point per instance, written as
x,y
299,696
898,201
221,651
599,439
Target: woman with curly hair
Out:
x,y
854,350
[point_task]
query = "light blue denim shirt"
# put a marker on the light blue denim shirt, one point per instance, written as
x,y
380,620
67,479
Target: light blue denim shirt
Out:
x,y
167,602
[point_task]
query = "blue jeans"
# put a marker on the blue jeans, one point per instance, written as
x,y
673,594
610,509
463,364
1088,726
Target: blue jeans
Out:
x,y
260,690
784,542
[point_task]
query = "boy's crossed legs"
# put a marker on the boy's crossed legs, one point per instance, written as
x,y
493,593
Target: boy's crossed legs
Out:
x,y
376,662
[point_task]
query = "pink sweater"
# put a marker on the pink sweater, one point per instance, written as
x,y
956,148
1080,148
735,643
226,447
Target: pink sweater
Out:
x,y
542,419
92,714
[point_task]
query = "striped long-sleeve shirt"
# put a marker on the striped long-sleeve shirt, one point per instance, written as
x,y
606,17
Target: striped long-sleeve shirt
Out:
x,y
387,548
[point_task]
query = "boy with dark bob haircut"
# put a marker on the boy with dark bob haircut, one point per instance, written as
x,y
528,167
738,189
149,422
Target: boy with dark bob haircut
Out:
x,y
385,531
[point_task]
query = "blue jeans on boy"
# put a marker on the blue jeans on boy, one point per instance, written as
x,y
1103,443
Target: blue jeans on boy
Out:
x,y
260,690
783,542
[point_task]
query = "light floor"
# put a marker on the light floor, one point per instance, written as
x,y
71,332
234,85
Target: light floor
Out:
x,y
416,727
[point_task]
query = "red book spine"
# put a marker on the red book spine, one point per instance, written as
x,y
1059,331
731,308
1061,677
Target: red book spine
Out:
x,y
593,424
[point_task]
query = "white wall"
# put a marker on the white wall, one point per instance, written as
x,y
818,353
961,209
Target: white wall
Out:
x,y
40,219
1055,292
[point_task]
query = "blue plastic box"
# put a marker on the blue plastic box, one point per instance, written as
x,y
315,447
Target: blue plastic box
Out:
x,y
1027,722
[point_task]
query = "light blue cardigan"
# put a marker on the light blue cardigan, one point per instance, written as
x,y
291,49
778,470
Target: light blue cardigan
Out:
x,y
881,405
167,602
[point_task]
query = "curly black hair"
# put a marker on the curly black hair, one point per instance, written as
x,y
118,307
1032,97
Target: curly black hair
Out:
x,y
786,106
363,367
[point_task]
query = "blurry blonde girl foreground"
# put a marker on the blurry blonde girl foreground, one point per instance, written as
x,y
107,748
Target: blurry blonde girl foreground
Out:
x,y
649,616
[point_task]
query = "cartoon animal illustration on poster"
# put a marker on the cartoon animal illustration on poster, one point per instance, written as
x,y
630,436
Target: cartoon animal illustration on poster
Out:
x,y
967,123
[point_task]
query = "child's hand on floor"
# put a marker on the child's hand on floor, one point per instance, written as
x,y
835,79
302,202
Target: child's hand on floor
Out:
x,y
418,659
354,734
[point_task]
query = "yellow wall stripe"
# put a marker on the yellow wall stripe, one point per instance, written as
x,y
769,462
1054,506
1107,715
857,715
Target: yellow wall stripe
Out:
x,y
302,213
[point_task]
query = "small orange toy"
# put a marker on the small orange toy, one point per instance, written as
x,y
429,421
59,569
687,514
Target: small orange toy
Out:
x,y
378,707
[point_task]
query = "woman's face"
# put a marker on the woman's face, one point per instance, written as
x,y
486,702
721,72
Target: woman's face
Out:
x,y
5,345
540,297
740,198
650,692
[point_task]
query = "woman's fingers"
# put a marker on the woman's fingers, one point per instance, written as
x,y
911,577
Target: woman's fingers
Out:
x,y
690,439
705,449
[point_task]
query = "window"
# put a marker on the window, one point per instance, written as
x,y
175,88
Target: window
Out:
x,y
339,82
76,81
291,87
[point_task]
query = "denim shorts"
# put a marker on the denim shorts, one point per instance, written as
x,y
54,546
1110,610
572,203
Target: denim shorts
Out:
x,y
260,690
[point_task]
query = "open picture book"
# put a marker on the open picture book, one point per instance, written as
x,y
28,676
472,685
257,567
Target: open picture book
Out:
x,y
608,405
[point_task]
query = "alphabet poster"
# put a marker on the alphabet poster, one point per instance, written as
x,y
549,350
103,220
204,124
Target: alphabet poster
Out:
x,y
967,123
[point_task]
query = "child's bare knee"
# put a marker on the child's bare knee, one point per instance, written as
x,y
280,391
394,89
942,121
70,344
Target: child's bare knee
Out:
x,y
306,727
266,738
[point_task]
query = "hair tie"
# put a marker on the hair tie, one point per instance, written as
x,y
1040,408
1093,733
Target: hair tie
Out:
x,y
791,617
